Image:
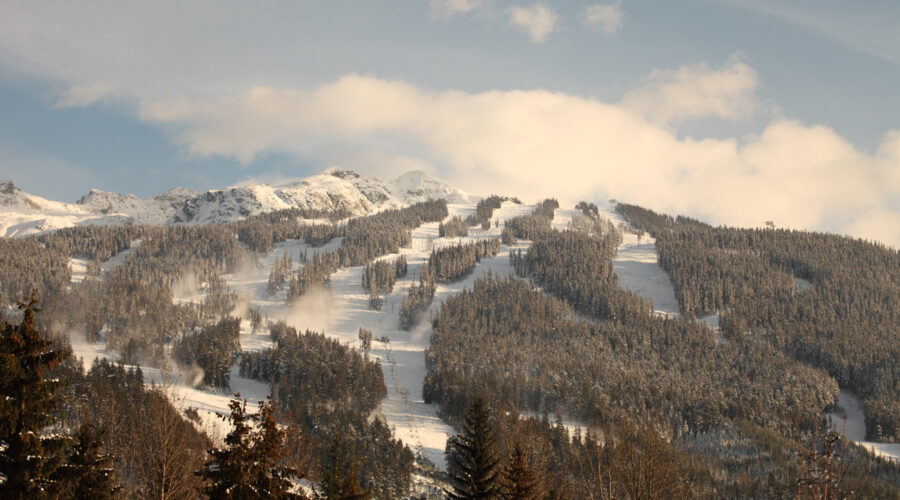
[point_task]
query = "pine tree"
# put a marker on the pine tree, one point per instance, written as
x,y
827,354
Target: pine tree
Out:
x,y
473,456
227,471
88,471
351,489
249,466
339,480
271,478
28,459
519,481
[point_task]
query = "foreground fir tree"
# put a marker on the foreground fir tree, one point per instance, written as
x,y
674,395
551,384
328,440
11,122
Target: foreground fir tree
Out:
x,y
249,467
339,480
29,457
519,481
473,458
88,470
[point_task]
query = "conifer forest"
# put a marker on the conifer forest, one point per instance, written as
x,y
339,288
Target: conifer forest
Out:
x,y
544,376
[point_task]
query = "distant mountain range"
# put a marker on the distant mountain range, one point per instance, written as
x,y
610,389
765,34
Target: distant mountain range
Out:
x,y
23,214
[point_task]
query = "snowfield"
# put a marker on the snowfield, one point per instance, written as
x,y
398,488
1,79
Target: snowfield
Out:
x,y
854,427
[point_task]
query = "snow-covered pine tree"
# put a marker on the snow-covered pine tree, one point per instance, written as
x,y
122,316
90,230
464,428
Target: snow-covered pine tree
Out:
x,y
29,456
249,466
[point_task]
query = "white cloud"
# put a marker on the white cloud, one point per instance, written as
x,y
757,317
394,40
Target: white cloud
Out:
x,y
697,91
452,7
538,143
538,21
606,17
80,96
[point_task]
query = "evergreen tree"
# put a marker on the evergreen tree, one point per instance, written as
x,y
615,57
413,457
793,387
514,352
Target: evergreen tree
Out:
x,y
29,458
351,489
227,471
473,457
339,480
88,470
271,478
519,481
248,467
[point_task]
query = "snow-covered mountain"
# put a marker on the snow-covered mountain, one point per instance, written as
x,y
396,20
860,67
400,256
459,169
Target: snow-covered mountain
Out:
x,y
154,210
333,189
23,214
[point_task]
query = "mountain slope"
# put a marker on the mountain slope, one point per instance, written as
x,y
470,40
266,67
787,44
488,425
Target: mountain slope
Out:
x,y
155,210
24,214
333,189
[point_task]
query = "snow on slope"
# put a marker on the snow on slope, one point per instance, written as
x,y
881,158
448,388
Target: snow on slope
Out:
x,y
154,210
341,313
636,264
79,266
210,403
850,407
23,214
333,189
403,358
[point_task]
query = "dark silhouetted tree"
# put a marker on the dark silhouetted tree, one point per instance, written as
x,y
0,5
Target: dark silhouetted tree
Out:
x,y
29,456
88,470
519,481
472,455
250,467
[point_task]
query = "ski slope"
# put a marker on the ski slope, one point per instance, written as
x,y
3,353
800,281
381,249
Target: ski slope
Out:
x,y
854,427
636,263
341,313
79,266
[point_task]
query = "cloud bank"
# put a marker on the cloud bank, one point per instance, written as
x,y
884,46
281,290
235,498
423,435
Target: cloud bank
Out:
x,y
536,143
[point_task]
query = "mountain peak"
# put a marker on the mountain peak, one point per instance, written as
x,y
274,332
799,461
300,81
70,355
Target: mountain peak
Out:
x,y
341,173
335,188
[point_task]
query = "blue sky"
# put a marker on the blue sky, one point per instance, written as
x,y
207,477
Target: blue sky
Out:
x,y
737,111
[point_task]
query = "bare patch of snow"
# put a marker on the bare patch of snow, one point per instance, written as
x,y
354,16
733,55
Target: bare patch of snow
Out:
x,y
79,270
848,417
637,268
802,284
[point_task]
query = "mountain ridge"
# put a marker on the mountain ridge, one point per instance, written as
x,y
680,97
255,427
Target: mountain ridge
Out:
x,y
23,214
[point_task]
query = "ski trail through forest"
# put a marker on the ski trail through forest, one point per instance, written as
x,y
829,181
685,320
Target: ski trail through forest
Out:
x,y
854,427
402,356
401,353
636,263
